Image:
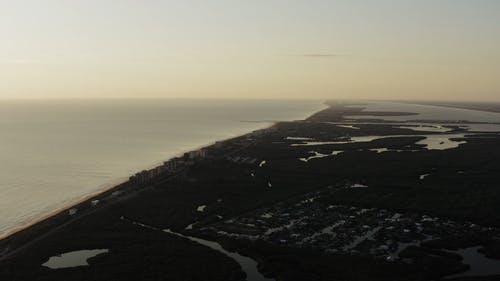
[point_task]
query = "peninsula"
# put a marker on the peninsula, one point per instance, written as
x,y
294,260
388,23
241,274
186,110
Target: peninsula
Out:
x,y
346,194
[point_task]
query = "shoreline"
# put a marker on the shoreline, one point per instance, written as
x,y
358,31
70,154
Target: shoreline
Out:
x,y
237,201
60,210
95,195
123,183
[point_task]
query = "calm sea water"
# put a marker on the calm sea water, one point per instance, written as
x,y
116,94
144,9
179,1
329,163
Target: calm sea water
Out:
x,y
53,153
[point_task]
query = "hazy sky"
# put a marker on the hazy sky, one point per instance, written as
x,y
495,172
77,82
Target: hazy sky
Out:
x,y
399,49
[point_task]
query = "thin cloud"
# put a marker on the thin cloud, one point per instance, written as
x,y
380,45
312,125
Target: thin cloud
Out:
x,y
322,55
22,61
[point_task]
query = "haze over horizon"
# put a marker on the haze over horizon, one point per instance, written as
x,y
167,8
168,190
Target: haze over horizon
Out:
x,y
404,50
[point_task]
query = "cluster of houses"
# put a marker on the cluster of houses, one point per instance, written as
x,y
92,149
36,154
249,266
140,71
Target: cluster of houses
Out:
x,y
315,224
171,166
178,163
242,160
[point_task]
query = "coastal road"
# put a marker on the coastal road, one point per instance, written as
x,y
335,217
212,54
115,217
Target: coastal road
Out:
x,y
6,254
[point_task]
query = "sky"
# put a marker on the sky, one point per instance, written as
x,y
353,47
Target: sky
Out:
x,y
300,49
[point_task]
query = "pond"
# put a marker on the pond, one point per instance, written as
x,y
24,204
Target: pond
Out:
x,y
73,259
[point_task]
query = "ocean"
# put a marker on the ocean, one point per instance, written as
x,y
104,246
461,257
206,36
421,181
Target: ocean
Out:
x,y
55,152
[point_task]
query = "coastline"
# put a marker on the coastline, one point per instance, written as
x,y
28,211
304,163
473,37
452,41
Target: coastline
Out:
x,y
65,208
88,198
224,194
123,184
